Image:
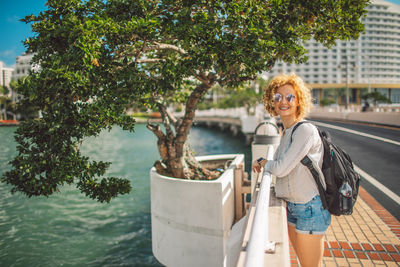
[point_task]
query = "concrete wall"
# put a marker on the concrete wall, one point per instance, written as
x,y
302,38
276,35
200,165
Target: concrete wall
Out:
x,y
384,118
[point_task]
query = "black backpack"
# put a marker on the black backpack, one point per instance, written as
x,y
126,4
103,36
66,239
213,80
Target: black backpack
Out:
x,y
342,181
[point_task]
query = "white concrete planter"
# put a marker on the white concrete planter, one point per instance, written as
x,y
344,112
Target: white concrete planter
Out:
x,y
192,220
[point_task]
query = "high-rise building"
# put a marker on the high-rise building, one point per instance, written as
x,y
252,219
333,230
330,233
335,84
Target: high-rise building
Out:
x,y
5,75
372,61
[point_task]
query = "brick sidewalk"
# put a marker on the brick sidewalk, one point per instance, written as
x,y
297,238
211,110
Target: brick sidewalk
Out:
x,y
369,237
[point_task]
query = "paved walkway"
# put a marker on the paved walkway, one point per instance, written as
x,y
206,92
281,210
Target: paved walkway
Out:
x,y
369,237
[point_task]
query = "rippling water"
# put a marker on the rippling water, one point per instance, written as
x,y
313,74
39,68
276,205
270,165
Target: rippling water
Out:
x,y
68,229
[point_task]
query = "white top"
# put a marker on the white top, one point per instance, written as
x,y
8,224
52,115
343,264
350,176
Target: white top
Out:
x,y
294,181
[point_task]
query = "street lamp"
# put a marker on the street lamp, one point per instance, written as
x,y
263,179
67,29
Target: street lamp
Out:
x,y
346,63
367,63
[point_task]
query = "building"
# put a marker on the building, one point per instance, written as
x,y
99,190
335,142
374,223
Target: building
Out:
x,y
5,75
372,61
22,66
5,79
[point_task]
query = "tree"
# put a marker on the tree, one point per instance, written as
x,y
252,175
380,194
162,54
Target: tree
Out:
x,y
242,96
98,56
376,97
327,101
3,90
4,100
23,107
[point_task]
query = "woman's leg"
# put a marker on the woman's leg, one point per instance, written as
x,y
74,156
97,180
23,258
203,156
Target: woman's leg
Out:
x,y
292,236
309,249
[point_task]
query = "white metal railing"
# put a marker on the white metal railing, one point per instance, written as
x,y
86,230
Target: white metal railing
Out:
x,y
259,241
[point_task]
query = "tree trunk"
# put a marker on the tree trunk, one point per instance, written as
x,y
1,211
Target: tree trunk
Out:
x,y
177,163
177,159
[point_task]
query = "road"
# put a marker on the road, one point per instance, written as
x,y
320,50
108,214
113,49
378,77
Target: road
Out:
x,y
377,157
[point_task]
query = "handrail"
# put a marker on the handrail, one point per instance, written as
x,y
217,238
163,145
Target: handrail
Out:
x,y
259,240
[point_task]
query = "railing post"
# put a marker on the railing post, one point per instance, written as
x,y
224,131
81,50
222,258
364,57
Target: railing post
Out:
x,y
242,187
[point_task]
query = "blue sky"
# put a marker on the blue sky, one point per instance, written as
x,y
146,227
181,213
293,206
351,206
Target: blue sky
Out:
x,y
13,32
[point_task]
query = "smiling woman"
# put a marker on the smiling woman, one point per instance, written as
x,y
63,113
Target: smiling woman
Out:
x,y
288,97
288,84
286,104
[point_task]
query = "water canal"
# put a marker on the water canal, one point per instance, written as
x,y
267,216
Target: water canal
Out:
x,y
68,229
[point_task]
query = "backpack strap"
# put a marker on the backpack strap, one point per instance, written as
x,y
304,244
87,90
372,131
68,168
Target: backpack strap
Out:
x,y
306,161
295,127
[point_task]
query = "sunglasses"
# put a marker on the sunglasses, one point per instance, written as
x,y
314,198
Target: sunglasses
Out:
x,y
289,97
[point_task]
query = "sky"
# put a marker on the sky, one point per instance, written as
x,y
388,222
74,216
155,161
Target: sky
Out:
x,y
13,32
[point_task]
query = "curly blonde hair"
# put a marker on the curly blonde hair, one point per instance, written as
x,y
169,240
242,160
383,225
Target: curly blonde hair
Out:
x,y
303,94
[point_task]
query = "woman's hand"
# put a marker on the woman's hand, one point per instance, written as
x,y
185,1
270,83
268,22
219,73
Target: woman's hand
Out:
x,y
258,164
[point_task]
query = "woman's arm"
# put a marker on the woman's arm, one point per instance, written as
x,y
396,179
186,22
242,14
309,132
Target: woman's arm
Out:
x,y
258,164
302,141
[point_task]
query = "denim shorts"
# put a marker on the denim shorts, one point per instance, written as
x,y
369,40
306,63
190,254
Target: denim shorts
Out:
x,y
309,218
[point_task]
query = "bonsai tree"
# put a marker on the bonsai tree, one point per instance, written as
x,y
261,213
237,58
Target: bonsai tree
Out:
x,y
97,57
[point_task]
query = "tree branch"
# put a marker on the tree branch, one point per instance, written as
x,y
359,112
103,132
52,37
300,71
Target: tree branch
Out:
x,y
148,60
191,105
172,118
156,129
157,46
202,78
165,117
160,46
144,60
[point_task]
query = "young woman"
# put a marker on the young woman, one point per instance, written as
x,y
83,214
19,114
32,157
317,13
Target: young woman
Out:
x,y
288,97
